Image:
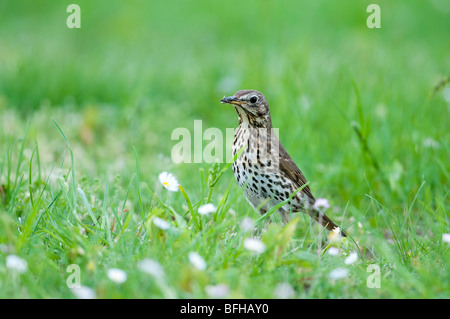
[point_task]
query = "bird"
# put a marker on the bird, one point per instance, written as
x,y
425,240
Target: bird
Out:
x,y
262,166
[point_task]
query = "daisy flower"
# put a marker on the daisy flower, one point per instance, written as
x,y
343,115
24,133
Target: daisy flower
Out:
x,y
446,238
333,251
254,245
168,181
338,273
117,275
247,224
16,263
284,291
334,236
206,209
161,223
321,203
351,258
151,267
197,261
84,292
217,291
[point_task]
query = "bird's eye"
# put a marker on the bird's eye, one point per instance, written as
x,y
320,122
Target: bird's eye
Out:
x,y
253,99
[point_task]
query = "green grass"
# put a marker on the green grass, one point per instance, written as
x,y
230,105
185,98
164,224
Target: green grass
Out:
x,y
86,118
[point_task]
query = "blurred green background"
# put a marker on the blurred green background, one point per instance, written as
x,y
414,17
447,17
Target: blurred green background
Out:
x,y
136,71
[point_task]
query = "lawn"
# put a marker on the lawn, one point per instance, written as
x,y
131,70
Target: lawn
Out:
x,y
86,128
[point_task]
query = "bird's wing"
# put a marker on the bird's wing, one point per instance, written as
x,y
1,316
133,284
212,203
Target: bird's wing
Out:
x,y
288,167
292,171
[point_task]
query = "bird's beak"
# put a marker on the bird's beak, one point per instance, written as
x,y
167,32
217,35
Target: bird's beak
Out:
x,y
231,100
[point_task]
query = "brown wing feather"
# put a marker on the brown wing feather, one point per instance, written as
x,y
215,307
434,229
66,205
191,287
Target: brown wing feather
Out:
x,y
288,166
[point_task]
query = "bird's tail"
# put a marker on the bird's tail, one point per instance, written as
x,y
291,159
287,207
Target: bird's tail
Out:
x,y
325,221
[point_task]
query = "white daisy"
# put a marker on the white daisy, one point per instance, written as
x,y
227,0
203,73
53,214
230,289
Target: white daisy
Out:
x,y
446,238
206,209
161,223
151,267
16,263
284,291
117,275
321,203
84,292
333,251
351,258
334,236
431,143
247,224
254,245
338,273
197,261
217,291
168,181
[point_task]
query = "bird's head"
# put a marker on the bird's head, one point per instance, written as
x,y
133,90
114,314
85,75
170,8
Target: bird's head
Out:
x,y
251,106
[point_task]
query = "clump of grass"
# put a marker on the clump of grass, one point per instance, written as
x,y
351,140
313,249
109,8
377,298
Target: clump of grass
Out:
x,y
98,230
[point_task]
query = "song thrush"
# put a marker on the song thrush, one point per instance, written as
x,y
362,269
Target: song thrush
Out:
x,y
264,170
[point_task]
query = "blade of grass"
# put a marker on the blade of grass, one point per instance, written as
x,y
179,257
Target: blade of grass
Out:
x,y
223,201
105,215
30,188
73,183
38,160
279,205
137,182
191,209
223,170
180,221
14,194
88,207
